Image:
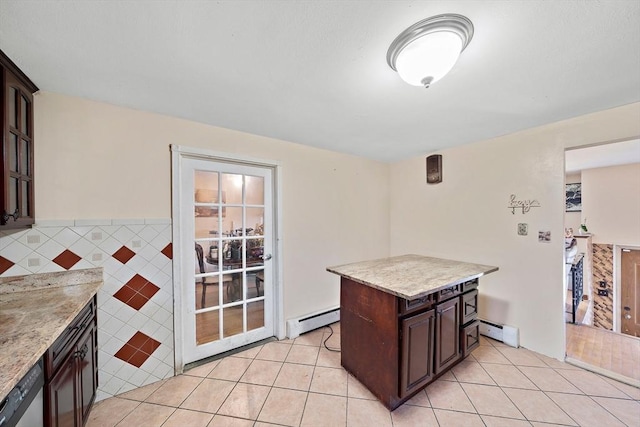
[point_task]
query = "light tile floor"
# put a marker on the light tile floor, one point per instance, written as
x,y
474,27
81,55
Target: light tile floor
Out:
x,y
299,383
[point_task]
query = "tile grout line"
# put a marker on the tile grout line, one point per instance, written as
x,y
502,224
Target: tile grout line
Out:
x,y
272,385
605,409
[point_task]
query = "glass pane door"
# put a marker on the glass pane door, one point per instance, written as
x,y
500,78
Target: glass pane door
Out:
x,y
227,296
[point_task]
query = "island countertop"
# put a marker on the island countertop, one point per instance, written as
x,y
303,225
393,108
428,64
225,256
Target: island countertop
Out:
x,y
34,311
411,276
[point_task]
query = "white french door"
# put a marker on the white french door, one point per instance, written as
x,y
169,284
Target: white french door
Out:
x,y
226,241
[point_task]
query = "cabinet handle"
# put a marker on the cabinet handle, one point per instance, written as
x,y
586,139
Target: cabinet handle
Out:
x,y
15,215
448,291
82,353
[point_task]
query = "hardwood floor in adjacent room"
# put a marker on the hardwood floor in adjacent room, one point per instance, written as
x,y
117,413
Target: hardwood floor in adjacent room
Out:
x,y
605,350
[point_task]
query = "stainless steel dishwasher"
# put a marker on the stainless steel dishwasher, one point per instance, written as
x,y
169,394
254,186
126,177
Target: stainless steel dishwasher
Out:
x,y
24,405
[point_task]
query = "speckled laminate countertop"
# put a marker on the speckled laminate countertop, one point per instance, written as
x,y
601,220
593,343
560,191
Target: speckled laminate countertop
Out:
x,y
34,311
411,276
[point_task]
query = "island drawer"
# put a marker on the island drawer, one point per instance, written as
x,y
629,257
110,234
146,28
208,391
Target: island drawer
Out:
x,y
469,285
469,310
470,338
406,306
58,351
448,293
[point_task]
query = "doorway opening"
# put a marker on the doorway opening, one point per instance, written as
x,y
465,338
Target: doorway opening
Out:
x,y
601,225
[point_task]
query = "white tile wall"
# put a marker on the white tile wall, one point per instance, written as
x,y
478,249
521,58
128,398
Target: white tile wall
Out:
x,y
95,241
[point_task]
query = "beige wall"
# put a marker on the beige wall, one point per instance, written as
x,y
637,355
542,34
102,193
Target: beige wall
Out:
x,y
466,217
95,160
611,204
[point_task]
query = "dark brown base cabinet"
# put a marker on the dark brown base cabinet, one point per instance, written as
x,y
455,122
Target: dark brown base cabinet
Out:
x,y
396,347
71,372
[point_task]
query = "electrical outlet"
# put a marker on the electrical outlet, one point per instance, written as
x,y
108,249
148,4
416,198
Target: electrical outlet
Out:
x,y
603,292
603,283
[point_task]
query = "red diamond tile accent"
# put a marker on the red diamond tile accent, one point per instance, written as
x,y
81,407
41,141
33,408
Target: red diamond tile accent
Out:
x,y
126,352
67,259
124,254
5,264
138,359
136,292
137,301
138,349
149,290
168,251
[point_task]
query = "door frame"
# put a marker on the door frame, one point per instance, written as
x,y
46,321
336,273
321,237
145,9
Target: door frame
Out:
x,y
617,283
178,152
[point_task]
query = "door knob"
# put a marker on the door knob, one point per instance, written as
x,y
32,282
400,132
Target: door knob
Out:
x,y
266,257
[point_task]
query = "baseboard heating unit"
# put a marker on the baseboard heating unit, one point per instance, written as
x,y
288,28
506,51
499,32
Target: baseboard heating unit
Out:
x,y
507,334
309,322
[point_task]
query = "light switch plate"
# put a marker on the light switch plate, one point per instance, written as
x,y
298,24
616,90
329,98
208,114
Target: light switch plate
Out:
x,y
523,229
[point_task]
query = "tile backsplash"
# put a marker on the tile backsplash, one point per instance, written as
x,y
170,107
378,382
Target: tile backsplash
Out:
x,y
135,305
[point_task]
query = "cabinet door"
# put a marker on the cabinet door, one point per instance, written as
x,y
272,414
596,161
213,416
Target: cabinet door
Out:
x,y
416,366
87,368
447,342
62,394
17,177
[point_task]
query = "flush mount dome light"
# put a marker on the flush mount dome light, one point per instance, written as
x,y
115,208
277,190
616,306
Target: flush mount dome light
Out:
x,y
426,51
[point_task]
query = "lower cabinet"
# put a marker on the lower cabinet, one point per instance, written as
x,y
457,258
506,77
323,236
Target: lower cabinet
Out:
x,y
87,365
62,395
447,338
71,372
396,347
417,352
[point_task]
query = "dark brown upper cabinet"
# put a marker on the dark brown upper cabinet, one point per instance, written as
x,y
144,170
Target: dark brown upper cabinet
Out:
x,y
16,180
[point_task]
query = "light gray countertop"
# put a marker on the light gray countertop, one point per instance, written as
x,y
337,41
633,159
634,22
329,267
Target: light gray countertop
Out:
x,y
411,276
34,311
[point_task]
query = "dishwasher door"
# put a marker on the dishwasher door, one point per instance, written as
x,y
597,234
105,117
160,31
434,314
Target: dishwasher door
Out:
x,y
24,405
34,415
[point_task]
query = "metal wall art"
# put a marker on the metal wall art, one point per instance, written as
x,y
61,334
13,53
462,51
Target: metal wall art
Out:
x,y
522,205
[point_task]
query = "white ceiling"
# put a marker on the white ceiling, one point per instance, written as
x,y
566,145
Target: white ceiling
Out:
x,y
599,156
315,72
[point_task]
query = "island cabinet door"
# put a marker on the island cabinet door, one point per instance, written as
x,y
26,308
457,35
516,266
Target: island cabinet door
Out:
x,y
447,342
416,366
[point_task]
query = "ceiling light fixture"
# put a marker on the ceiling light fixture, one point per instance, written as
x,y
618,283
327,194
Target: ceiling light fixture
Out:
x,y
426,51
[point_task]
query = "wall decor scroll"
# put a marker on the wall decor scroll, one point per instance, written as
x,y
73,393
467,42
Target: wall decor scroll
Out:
x,y
522,205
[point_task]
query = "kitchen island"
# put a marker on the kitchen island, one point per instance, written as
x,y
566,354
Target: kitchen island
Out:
x,y
407,320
